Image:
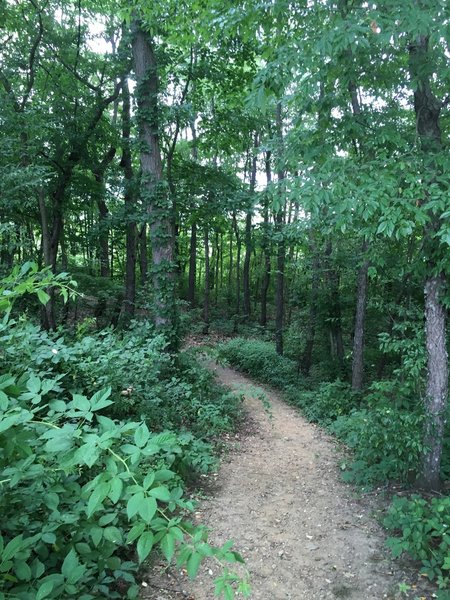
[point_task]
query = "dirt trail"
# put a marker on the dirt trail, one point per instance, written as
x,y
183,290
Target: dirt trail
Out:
x,y
302,532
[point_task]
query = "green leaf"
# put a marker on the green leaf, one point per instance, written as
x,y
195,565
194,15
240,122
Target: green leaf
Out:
x,y
168,546
96,534
97,497
8,422
80,403
113,534
135,532
4,401
147,509
161,493
144,545
43,296
193,564
87,454
44,590
115,492
22,570
12,548
100,399
141,435
149,479
134,504
70,563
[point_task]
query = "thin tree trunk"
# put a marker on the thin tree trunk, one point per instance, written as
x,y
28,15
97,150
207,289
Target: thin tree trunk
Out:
x,y
216,277
266,247
143,255
360,319
129,301
238,263
206,296
281,248
192,265
230,269
248,235
334,309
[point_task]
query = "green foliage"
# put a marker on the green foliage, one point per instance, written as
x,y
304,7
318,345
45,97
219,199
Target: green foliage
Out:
x,y
422,530
85,497
386,440
260,360
326,403
28,279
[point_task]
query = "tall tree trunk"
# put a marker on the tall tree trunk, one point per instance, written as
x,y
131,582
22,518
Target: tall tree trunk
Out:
x,y
153,192
192,265
281,245
230,269
334,308
360,320
427,109
248,234
306,359
99,174
217,274
206,296
238,263
129,300
266,246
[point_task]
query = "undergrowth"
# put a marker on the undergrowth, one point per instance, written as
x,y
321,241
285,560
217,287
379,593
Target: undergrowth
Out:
x,y
98,435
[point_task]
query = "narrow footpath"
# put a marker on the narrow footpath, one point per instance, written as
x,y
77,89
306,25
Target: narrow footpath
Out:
x,y
304,534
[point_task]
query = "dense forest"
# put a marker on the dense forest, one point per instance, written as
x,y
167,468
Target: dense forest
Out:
x,y
273,172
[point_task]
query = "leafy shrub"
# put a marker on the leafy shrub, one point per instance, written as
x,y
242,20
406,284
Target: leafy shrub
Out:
x,y
260,360
78,489
387,443
85,497
422,529
325,404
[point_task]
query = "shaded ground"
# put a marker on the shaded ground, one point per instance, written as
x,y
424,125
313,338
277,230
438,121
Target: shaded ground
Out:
x,y
303,533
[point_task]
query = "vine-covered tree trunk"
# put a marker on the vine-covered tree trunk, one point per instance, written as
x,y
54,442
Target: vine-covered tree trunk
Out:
x,y
143,254
153,192
360,319
427,109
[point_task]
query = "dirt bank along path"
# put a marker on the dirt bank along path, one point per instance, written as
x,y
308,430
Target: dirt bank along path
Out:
x,y
303,533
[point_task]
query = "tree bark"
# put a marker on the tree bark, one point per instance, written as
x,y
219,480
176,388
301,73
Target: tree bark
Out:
x,y
206,296
153,191
360,319
334,309
306,359
192,265
129,300
427,109
248,235
238,263
281,247
266,246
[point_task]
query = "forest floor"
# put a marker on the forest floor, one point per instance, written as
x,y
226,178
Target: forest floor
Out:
x,y
304,534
